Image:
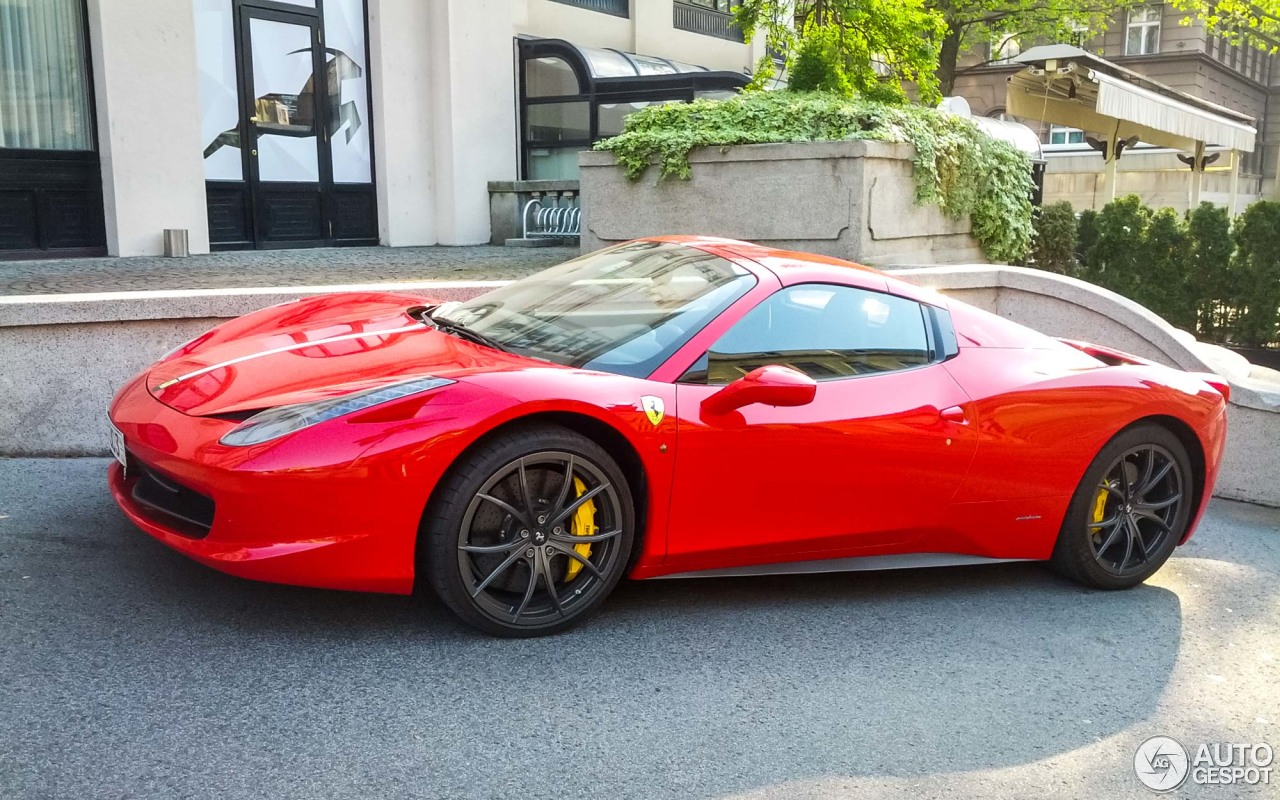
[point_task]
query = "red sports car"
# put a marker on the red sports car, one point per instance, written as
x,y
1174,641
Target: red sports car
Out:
x,y
675,406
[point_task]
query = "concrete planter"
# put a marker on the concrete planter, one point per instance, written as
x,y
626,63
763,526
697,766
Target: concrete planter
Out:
x,y
852,200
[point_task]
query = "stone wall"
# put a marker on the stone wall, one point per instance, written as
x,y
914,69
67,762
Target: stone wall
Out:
x,y
852,200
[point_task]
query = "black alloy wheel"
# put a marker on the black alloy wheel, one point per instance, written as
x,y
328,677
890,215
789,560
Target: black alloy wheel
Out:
x,y
1129,512
531,533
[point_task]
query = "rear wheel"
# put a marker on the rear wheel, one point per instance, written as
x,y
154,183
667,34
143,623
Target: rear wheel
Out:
x,y
1129,512
530,533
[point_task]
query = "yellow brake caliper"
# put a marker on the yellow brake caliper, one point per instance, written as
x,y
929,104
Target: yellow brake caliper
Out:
x,y
583,523
1099,507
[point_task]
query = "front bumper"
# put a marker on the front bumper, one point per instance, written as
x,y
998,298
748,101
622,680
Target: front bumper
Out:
x,y
310,510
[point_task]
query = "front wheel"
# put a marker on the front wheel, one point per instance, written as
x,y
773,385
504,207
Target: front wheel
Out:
x,y
530,533
1129,512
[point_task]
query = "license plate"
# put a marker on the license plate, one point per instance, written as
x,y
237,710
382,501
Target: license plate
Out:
x,y
117,446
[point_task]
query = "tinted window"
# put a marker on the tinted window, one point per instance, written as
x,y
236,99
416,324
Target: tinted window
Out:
x,y
626,309
824,331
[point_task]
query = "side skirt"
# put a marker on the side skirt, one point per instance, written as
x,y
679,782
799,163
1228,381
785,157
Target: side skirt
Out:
x,y
857,564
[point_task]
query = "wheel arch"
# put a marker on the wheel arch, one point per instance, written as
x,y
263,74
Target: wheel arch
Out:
x,y
608,437
1194,447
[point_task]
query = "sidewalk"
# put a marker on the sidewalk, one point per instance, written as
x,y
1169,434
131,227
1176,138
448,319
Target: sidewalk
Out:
x,y
277,268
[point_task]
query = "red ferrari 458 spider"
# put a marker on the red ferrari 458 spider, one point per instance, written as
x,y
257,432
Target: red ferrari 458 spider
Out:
x,y
676,406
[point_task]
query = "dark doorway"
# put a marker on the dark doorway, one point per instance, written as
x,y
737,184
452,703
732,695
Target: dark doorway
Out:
x,y
295,191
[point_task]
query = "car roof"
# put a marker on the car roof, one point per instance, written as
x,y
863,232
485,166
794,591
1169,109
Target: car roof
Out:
x,y
792,267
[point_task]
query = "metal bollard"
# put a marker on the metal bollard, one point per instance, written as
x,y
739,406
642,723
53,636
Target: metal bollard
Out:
x,y
175,243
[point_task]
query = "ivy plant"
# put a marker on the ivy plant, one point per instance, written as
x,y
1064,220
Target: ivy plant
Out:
x,y
956,166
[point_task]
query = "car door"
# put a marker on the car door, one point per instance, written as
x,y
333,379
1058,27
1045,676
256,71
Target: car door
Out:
x,y
866,466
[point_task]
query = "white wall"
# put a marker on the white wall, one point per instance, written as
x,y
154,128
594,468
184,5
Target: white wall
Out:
x,y
446,94
473,101
404,144
148,109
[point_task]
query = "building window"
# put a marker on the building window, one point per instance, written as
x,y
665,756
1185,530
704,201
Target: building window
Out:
x,y
1004,51
1059,134
708,17
1142,34
618,8
44,76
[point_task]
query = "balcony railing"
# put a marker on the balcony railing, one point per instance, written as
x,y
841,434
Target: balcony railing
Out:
x,y
707,21
618,8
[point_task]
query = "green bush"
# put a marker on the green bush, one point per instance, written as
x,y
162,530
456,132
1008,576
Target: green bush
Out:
x,y
1208,269
1255,275
1162,283
1053,246
1117,258
956,166
1086,237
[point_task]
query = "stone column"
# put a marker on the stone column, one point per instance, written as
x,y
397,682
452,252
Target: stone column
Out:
x,y
473,100
148,110
402,64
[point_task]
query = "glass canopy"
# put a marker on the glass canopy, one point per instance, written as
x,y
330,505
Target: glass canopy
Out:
x,y
573,96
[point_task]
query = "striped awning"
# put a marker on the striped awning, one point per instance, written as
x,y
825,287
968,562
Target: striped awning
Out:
x,y
1073,93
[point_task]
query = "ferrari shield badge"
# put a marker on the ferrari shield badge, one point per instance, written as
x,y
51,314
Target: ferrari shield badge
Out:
x,y
654,408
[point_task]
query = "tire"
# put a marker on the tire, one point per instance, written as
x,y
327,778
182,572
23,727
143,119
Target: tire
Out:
x,y
506,524
1129,512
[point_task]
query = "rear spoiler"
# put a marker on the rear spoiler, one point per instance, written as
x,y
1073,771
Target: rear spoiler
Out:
x,y
1116,358
1112,358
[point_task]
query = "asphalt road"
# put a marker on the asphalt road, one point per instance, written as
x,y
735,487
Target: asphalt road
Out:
x,y
128,671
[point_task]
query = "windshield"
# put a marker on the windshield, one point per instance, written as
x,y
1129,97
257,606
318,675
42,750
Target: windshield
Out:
x,y
623,310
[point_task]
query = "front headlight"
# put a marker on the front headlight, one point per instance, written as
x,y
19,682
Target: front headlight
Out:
x,y
276,422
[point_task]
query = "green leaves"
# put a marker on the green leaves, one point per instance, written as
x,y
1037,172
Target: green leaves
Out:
x,y
956,166
1197,271
1053,247
850,46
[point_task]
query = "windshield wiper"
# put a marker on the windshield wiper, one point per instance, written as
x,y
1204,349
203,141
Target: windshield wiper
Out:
x,y
463,332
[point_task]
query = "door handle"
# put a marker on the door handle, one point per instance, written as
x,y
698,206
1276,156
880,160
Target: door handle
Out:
x,y
954,414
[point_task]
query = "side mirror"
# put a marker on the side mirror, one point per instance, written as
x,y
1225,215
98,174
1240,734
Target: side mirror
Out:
x,y
771,385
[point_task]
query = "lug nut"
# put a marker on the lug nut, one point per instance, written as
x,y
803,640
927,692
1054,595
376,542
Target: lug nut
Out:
x,y
524,534
556,530
542,519
529,552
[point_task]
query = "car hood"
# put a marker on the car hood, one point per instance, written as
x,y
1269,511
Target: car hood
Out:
x,y
312,349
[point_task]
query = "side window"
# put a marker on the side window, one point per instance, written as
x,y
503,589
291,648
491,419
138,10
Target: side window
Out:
x,y
825,331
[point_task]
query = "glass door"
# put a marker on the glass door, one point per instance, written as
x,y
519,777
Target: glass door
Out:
x,y
286,109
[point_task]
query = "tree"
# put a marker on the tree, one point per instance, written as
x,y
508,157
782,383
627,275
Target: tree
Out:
x,y
1255,23
1208,268
1255,275
1053,247
971,24
865,46
1118,255
1162,283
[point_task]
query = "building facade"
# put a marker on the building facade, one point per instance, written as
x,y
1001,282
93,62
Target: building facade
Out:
x,y
294,123
1151,40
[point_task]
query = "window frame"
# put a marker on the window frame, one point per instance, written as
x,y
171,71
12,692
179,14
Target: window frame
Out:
x,y
934,322
1131,24
1067,132
91,153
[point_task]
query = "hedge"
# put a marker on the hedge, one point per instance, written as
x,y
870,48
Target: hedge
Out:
x,y
1198,270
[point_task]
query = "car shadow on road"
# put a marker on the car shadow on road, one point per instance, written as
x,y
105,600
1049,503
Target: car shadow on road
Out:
x,y
856,666
709,686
